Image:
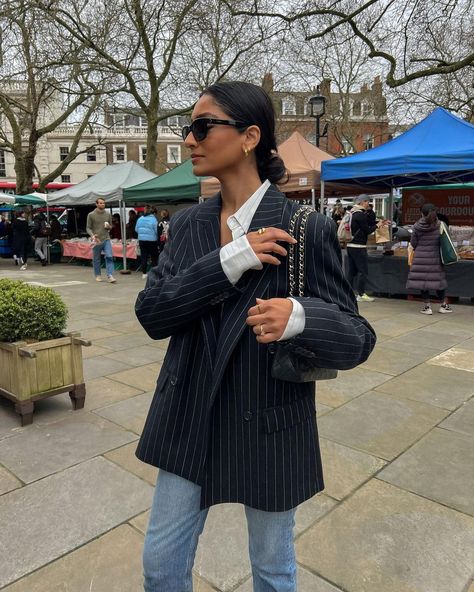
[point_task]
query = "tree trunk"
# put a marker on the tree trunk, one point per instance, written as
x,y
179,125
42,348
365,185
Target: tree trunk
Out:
x,y
151,150
24,171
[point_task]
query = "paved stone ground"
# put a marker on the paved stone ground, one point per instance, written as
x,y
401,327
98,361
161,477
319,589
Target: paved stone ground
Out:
x,y
397,436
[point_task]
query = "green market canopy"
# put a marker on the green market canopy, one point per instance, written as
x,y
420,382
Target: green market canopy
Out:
x,y
177,185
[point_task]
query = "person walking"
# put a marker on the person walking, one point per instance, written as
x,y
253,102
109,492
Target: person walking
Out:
x,y
40,232
147,229
21,240
220,427
427,272
163,227
357,258
99,223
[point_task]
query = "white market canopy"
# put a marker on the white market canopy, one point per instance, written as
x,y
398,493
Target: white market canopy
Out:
x,y
108,184
5,198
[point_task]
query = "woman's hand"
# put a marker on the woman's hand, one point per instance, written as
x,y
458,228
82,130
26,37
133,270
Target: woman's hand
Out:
x,y
264,243
269,318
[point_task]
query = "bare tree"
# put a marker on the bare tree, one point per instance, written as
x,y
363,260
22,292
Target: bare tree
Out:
x,y
158,55
41,85
400,34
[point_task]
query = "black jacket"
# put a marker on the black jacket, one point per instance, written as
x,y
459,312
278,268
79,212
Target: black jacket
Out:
x,y
361,227
218,417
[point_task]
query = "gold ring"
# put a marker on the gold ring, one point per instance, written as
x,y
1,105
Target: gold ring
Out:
x,y
259,309
262,332
261,230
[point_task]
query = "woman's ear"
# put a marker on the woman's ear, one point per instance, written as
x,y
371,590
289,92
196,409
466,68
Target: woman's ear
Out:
x,y
252,137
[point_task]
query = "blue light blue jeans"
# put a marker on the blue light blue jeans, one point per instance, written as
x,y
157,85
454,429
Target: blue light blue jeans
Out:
x,y
106,247
176,521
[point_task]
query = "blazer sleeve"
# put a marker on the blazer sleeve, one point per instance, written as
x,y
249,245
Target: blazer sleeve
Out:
x,y
176,295
334,331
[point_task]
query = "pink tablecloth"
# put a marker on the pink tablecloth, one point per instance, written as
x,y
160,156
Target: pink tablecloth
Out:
x,y
83,250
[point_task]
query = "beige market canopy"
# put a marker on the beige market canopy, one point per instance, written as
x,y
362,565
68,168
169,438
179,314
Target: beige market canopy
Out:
x,y
303,162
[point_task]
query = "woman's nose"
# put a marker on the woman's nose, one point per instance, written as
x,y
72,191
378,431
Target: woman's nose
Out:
x,y
190,140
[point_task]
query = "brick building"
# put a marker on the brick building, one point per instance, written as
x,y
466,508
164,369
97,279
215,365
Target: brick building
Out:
x,y
356,121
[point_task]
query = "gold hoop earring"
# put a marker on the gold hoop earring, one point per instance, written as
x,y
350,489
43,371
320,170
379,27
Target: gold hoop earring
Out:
x,y
246,152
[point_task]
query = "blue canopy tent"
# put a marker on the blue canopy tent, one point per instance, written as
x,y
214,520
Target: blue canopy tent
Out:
x,y
439,149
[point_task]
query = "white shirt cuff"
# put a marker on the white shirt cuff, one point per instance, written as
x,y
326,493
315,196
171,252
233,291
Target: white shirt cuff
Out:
x,y
296,322
237,257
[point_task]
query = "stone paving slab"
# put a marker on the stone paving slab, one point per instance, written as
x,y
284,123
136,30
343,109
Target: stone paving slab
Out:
x,y
9,420
348,385
125,457
462,420
93,351
345,469
400,324
8,482
425,339
101,392
143,378
49,518
130,414
380,424
436,385
384,539
100,366
127,341
456,357
99,333
42,450
391,361
137,356
448,327
307,582
439,467
468,344
111,563
82,324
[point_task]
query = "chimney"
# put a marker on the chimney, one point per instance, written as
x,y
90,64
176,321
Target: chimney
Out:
x,y
267,82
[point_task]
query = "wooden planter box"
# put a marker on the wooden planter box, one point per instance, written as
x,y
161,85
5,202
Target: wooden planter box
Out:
x,y
34,371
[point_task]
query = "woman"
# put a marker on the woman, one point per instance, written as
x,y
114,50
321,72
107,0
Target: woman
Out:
x,y
116,230
220,427
427,272
163,228
21,240
338,214
147,230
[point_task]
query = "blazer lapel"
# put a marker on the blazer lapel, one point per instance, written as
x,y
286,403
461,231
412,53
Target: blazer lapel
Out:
x,y
204,239
232,325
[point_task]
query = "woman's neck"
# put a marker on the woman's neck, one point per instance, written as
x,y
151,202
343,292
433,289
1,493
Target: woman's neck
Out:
x,y
236,189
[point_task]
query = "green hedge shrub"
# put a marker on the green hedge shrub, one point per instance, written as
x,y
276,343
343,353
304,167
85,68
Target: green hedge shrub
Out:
x,y
30,312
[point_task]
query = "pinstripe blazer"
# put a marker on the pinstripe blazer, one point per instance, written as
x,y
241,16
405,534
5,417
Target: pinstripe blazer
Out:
x,y
218,418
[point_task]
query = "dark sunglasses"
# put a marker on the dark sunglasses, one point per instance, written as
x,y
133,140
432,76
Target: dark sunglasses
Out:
x,y
201,126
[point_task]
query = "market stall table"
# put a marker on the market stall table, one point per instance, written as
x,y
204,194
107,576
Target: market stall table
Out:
x,y
82,249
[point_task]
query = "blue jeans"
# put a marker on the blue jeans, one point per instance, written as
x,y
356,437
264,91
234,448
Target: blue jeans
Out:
x,y
176,521
97,249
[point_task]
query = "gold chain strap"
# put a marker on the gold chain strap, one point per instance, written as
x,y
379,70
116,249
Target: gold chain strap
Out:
x,y
297,256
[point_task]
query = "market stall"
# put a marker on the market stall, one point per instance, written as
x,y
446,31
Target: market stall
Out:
x,y
108,184
82,248
438,150
303,162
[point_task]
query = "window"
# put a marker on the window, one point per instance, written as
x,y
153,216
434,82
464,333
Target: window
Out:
x,y
119,154
356,108
63,152
91,155
142,154
367,109
173,121
65,178
346,146
3,166
118,120
368,141
174,154
288,106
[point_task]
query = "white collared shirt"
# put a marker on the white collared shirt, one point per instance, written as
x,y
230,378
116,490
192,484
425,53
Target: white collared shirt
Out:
x,y
238,256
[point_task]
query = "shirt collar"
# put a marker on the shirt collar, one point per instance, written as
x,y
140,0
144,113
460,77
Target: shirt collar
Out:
x,y
239,222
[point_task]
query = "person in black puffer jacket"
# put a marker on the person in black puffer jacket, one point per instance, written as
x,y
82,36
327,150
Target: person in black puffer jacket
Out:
x,y
427,272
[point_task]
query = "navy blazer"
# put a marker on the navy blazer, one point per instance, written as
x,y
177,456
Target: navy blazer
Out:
x,y
218,418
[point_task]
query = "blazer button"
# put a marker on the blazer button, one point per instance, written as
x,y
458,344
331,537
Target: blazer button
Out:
x,y
247,416
173,381
271,348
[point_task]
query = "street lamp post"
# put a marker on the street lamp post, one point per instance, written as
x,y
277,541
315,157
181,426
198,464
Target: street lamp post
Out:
x,y
318,109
